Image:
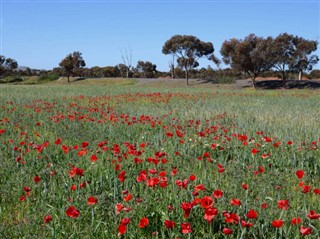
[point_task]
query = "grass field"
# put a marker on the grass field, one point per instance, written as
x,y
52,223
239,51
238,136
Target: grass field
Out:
x,y
123,160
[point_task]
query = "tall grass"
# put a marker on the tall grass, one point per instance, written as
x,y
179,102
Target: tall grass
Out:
x,y
165,147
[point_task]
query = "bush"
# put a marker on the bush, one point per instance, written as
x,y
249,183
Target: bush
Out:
x,y
225,80
11,79
49,77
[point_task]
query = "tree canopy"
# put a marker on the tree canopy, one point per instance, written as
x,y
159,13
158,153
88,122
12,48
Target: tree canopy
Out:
x,y
188,50
248,55
72,62
7,64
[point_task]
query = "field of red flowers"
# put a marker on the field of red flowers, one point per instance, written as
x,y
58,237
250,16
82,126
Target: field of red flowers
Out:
x,y
141,163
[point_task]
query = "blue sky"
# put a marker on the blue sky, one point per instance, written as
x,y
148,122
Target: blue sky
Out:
x,y
39,34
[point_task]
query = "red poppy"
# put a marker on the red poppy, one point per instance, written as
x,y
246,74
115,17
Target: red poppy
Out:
x,y
231,218
217,193
305,230
306,189
22,198
169,224
235,202
313,215
72,212
264,205
152,182
144,222
246,224
277,223
125,221
209,214
199,188
186,207
122,176
92,200
227,231
127,198
47,218
283,204
192,177
186,228
93,158
261,169
122,229
254,151
206,202
244,186
296,220
316,191
300,174
73,187
36,179
252,214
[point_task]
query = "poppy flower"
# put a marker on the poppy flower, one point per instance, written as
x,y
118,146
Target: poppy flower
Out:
x,y
206,202
127,198
235,202
185,228
227,231
72,212
296,221
254,151
36,179
305,230
92,200
169,224
306,189
47,218
252,214
300,174
144,222
313,215
283,204
93,158
22,198
209,214
192,177
199,188
246,224
217,193
122,229
125,221
186,207
277,223
244,186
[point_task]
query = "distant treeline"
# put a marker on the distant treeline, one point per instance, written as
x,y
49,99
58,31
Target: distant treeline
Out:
x,y
285,56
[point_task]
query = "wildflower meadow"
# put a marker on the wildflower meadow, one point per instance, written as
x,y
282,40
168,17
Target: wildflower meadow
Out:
x,y
130,161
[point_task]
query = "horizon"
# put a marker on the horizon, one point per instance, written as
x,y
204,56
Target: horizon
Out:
x,y
39,34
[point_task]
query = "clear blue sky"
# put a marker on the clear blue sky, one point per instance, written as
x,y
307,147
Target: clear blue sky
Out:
x,y
39,34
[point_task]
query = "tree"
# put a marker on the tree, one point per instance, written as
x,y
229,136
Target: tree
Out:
x,y
72,62
127,60
188,50
290,54
7,64
249,55
147,68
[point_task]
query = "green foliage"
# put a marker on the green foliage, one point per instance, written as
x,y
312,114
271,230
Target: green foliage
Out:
x,y
48,77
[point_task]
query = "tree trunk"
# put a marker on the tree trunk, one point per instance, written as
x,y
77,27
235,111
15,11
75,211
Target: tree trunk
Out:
x,y
300,75
68,77
254,82
187,77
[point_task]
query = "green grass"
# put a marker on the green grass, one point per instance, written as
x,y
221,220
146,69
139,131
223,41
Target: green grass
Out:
x,y
126,125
